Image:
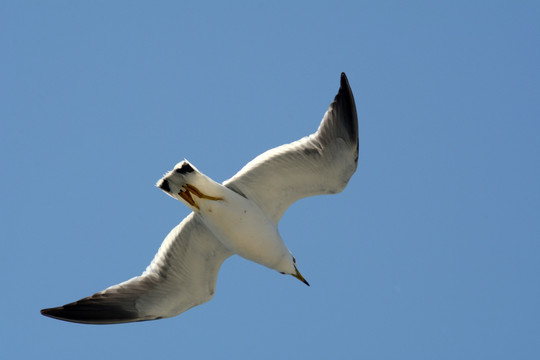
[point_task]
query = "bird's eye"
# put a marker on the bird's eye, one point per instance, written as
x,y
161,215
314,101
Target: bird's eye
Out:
x,y
293,260
282,273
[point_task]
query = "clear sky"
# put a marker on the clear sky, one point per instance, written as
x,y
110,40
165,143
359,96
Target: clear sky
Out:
x,y
431,252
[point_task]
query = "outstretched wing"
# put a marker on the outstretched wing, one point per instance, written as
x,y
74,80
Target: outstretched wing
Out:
x,y
182,275
321,163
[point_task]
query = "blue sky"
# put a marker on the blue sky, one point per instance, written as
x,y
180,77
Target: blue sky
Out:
x,y
432,251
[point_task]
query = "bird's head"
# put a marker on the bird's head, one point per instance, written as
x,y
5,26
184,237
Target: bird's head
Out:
x,y
291,269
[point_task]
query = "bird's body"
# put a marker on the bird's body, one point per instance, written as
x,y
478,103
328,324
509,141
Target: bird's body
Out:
x,y
236,221
240,217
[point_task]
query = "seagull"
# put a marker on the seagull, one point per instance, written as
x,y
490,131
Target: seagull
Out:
x,y
240,216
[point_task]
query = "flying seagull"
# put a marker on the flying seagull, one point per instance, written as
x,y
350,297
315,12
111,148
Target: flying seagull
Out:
x,y
240,216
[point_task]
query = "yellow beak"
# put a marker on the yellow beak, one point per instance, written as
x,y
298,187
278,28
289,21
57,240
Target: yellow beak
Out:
x,y
299,276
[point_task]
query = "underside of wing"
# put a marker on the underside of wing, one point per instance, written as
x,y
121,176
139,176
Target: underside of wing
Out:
x,y
182,275
321,163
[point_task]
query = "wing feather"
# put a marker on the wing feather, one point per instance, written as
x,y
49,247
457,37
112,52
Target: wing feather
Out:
x,y
321,163
183,274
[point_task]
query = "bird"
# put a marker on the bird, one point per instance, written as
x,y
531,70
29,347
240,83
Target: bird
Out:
x,y
239,216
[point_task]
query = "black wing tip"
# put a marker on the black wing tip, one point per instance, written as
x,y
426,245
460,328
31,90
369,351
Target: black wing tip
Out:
x,y
46,312
344,87
341,119
344,83
345,100
56,313
86,312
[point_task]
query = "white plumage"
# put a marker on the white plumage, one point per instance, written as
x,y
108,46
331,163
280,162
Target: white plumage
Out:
x,y
239,217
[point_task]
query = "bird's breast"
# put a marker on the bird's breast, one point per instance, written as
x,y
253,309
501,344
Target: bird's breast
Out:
x,y
244,228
